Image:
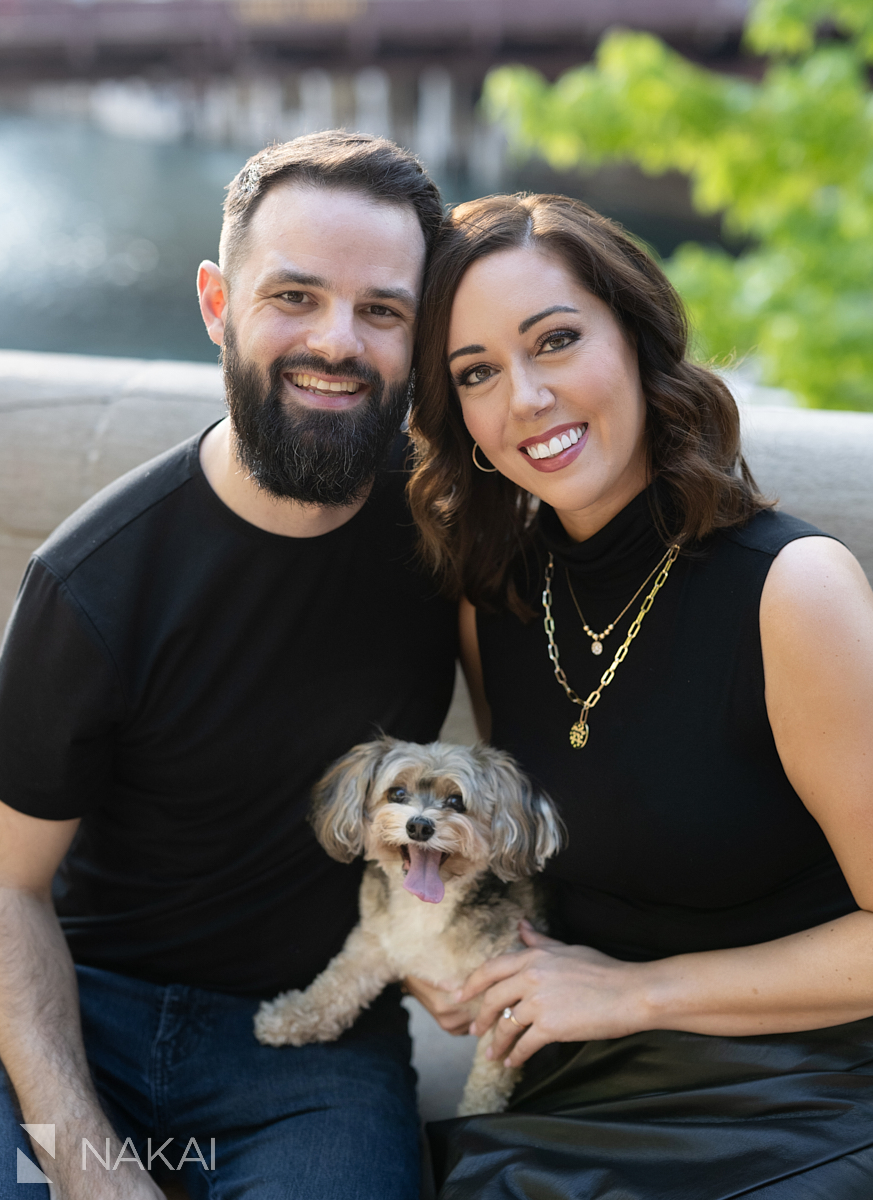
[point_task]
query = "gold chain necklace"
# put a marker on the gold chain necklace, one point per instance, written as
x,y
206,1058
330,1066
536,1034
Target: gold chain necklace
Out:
x,y
597,638
579,731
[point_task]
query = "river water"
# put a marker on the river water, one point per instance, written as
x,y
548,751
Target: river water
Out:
x,y
100,237
101,232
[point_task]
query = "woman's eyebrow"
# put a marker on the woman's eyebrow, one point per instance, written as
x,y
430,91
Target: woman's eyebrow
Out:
x,y
547,312
466,350
526,324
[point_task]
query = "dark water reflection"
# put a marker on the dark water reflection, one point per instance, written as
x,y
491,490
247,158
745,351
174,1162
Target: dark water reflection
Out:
x,y
100,238
101,234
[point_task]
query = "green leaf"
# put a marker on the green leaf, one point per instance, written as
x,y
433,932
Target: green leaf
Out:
x,y
788,161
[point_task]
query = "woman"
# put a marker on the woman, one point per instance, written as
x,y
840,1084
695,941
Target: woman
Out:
x,y
690,674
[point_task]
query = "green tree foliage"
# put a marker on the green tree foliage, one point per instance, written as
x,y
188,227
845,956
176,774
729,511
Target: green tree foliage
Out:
x,y
788,160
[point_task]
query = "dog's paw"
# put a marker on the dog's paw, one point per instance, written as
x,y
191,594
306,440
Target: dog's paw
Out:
x,y
488,1101
286,1021
488,1089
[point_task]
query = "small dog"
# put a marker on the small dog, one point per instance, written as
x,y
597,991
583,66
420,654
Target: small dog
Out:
x,y
451,834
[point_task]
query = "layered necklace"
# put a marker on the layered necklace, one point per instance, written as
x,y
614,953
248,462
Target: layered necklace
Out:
x,y
579,731
597,638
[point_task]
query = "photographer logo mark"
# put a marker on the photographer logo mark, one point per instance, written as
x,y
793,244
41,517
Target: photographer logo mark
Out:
x,y
28,1171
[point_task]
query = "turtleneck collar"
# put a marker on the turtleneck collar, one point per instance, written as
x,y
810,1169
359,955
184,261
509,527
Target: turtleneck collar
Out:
x,y
614,560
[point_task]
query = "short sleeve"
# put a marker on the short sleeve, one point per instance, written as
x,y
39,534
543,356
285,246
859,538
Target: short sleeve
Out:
x,y
60,703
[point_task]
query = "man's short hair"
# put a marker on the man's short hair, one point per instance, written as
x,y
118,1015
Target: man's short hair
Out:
x,y
334,159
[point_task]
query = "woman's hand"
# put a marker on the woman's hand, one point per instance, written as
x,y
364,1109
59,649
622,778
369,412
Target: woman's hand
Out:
x,y
451,1016
558,993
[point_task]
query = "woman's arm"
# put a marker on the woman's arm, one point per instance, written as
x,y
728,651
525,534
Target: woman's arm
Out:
x,y
817,640
471,662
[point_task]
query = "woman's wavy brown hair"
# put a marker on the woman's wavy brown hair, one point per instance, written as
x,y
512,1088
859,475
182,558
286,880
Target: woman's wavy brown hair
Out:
x,y
473,525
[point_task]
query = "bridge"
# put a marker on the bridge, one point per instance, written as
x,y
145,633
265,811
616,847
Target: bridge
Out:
x,y
66,38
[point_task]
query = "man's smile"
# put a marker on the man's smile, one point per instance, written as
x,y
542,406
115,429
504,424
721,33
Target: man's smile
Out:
x,y
338,393
312,383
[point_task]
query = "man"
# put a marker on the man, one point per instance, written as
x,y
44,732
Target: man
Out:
x,y
187,654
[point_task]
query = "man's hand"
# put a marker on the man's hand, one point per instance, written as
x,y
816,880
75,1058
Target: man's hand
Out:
x,y
75,1176
40,1032
454,1018
96,1183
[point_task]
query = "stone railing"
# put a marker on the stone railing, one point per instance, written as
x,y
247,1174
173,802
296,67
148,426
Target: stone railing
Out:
x,y
71,424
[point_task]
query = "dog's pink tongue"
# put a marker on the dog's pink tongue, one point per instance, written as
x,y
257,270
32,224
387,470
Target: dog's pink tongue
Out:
x,y
423,876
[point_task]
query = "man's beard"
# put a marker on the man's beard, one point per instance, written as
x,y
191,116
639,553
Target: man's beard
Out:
x,y
315,456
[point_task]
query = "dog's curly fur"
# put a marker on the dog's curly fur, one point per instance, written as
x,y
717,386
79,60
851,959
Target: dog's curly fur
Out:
x,y
471,817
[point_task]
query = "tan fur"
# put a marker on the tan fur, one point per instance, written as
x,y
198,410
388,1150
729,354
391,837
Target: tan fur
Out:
x,y
505,835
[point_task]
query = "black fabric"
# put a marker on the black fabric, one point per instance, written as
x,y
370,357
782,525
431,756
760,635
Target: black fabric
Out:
x,y
179,678
685,833
676,1116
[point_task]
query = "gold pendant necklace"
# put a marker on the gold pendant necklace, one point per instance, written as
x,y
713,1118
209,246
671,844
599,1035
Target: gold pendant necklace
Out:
x,y
579,731
597,638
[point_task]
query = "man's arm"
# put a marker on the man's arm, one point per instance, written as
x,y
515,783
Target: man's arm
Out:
x,y
40,1029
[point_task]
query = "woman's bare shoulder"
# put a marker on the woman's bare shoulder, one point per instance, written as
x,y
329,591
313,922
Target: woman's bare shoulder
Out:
x,y
817,643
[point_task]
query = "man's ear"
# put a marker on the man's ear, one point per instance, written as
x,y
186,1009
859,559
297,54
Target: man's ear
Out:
x,y
212,290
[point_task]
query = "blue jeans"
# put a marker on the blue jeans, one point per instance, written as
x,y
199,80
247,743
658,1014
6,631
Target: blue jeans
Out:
x,y
323,1122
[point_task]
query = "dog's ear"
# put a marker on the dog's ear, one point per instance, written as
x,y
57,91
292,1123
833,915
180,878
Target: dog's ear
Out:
x,y
525,826
340,796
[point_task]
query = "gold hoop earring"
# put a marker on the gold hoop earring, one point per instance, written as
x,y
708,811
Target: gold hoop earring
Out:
x,y
484,470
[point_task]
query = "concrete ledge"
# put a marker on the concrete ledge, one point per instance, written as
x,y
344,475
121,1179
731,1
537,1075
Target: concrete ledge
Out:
x,y
70,424
820,466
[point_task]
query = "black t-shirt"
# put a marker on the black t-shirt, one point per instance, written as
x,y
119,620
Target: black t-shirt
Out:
x,y
179,678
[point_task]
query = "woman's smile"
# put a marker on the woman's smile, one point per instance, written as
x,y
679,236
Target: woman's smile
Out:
x,y
557,447
549,385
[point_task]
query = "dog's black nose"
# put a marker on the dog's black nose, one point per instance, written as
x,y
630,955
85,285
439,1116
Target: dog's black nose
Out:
x,y
420,828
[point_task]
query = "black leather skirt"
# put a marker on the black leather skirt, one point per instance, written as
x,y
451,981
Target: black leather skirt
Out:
x,y
676,1116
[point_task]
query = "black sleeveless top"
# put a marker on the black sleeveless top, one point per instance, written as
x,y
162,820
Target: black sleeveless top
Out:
x,y
685,833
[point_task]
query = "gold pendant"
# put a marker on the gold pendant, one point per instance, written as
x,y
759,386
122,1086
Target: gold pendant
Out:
x,y
579,734
596,647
